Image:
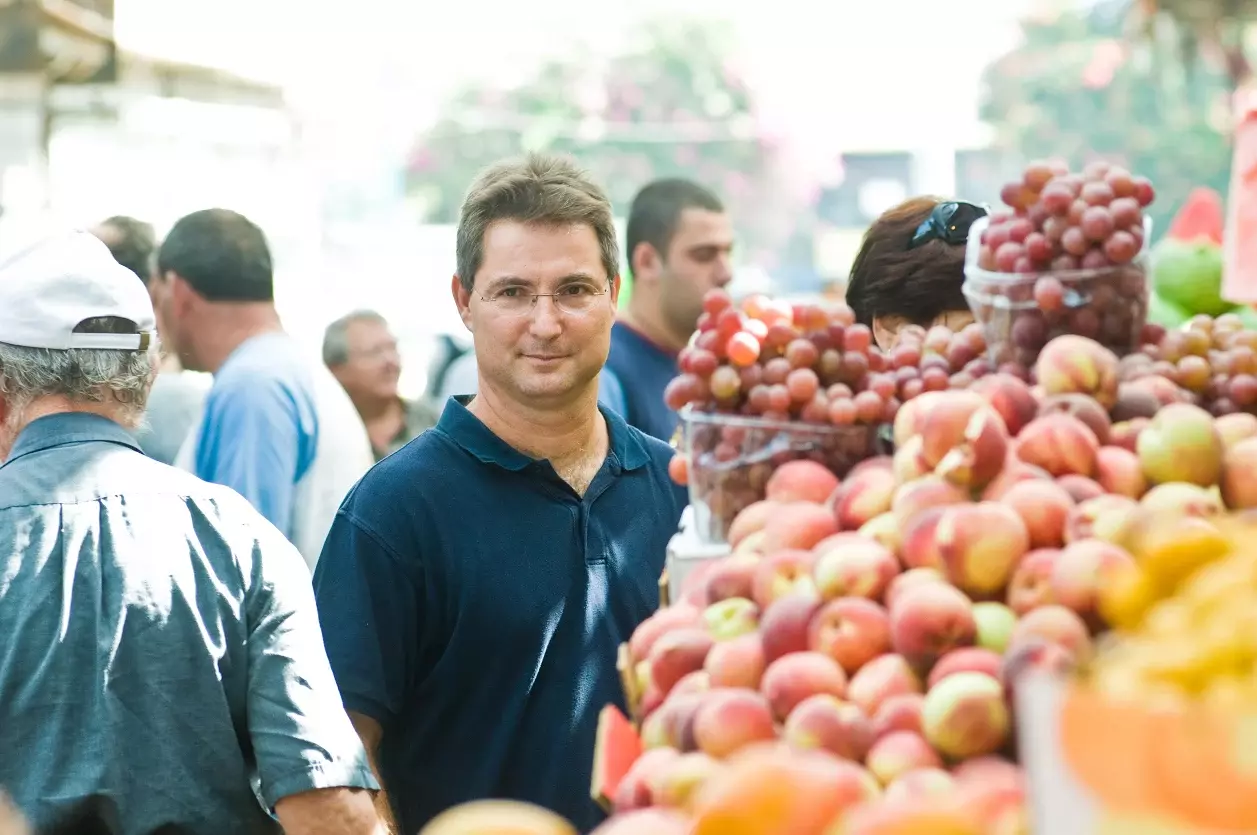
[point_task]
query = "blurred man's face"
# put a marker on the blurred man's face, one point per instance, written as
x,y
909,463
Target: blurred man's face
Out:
x,y
374,364
697,260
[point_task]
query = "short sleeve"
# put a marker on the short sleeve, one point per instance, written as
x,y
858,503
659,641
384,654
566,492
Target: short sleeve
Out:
x,y
302,738
369,608
611,392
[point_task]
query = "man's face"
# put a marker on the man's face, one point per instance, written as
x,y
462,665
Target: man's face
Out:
x,y
697,260
544,354
374,365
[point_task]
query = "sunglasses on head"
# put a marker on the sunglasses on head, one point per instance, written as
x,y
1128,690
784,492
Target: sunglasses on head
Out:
x,y
949,222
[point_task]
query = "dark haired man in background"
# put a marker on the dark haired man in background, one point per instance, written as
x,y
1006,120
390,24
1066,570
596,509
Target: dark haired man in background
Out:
x,y
277,427
679,245
178,395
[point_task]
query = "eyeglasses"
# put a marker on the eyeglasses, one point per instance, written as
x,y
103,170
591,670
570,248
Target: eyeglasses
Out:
x,y
949,222
574,299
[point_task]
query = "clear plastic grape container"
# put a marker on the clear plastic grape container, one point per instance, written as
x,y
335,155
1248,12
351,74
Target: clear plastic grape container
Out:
x,y
731,459
1108,304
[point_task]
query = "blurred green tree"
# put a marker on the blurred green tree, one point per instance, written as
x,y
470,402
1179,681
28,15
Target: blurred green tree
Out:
x,y
1215,30
1082,86
672,104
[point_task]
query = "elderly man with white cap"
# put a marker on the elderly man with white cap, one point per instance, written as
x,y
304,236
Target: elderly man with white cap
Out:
x,y
161,664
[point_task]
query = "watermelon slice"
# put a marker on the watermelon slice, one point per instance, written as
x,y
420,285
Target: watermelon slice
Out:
x,y
616,748
1201,216
1239,272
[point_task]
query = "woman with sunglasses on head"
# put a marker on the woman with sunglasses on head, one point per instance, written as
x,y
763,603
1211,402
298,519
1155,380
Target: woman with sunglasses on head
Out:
x,y
911,266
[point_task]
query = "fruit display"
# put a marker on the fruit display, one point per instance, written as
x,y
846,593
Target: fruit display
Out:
x,y
1067,257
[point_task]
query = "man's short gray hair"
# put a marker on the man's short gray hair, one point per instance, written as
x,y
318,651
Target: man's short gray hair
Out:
x,y
336,337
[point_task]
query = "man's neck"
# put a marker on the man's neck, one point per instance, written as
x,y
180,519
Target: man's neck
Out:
x,y
57,405
652,327
556,434
377,409
236,325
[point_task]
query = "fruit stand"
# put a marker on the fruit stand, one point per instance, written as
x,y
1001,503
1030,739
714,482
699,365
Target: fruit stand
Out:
x,y
992,581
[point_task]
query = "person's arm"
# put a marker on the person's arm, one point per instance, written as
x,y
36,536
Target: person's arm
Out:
x,y
611,392
252,441
313,769
369,603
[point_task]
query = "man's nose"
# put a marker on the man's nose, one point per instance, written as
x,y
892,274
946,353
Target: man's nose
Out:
x,y
545,318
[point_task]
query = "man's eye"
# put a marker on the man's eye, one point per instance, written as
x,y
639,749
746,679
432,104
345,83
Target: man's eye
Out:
x,y
577,290
510,292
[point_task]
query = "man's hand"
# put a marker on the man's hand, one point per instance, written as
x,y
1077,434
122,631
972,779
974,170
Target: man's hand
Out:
x,y
329,812
370,732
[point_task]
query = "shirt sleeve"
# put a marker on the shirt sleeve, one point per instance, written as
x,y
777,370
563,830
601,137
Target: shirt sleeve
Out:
x,y
302,738
251,441
611,392
370,608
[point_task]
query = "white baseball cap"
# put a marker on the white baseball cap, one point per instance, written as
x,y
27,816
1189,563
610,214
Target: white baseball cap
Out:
x,y
51,287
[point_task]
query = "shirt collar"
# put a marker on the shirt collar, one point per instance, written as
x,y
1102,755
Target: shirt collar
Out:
x,y
69,428
466,430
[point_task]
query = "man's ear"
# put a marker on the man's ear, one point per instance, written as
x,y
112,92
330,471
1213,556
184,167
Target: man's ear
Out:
x,y
462,300
615,290
645,262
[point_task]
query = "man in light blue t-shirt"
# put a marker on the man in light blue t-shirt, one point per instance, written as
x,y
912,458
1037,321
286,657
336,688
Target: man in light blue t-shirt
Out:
x,y
276,427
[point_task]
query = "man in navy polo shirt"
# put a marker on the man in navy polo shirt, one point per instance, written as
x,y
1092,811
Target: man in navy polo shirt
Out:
x,y
679,242
476,584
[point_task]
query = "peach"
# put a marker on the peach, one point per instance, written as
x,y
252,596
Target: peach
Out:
x,y
910,578
784,626
1015,471
751,519
651,699
678,652
963,439
930,620
908,464
900,752
1031,584
988,771
1058,443
516,817
966,660
676,783
752,545
1082,407
1079,487
965,715
911,416
920,549
1235,427
781,573
877,462
1011,399
1118,471
857,567
862,497
1239,464
1072,364
731,617
1086,567
980,545
1056,624
850,630
998,809
660,623
636,790
694,587
1134,402
737,662
1181,444
901,712
730,719
1043,506
920,783
1178,499
932,814
1165,391
1126,433
798,525
828,723
995,624
880,679
646,822
1104,517
792,678
803,480
732,576
884,530
779,790
695,682
913,498
672,725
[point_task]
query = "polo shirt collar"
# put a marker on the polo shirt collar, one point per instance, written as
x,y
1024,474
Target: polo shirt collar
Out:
x,y
467,430
69,428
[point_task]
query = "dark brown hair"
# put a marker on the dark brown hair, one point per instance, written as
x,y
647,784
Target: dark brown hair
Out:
x,y
889,279
542,189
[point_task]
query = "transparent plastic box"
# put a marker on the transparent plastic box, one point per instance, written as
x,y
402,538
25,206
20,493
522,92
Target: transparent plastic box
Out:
x,y
1109,305
731,459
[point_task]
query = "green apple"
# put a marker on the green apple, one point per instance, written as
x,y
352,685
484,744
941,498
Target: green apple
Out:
x,y
1166,314
995,625
1188,275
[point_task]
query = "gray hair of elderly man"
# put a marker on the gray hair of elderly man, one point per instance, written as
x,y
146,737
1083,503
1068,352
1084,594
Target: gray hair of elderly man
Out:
x,y
336,337
112,383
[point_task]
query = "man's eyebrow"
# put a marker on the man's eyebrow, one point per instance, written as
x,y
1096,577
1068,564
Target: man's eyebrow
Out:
x,y
508,280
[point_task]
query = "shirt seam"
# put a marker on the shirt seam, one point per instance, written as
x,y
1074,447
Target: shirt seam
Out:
x,y
339,774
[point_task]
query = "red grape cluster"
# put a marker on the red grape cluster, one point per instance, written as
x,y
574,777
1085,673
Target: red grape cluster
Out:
x,y
1211,362
1064,259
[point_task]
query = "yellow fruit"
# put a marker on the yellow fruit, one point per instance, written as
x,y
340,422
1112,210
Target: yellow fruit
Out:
x,y
1126,598
1171,550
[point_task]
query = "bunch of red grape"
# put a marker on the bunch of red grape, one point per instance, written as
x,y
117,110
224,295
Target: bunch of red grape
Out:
x,y
1211,362
1064,259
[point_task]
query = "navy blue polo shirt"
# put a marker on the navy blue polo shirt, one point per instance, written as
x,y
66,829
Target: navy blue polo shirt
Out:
x,y
643,370
472,604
